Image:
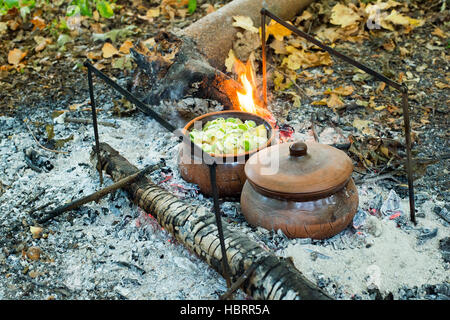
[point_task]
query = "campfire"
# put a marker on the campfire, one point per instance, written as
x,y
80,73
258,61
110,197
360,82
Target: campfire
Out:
x,y
249,99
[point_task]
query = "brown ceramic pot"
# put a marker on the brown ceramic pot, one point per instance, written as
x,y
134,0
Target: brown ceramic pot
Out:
x,y
311,195
230,173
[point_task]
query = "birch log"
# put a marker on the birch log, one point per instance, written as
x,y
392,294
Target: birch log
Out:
x,y
195,228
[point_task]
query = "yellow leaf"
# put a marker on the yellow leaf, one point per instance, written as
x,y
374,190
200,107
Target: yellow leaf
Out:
x,y
361,124
441,85
343,16
322,102
305,59
399,19
342,91
379,108
109,50
15,56
229,61
153,12
438,32
384,151
245,23
335,102
125,47
277,30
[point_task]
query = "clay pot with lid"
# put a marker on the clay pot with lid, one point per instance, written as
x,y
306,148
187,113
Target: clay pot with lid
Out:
x,y
304,189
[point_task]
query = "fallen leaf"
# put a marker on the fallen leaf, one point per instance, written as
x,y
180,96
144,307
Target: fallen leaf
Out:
x,y
229,61
438,32
245,23
36,232
3,27
306,15
361,124
335,102
94,55
381,87
277,30
399,19
41,43
209,8
38,23
76,106
125,47
15,56
122,63
342,91
305,59
150,14
109,50
343,16
441,85
278,46
389,45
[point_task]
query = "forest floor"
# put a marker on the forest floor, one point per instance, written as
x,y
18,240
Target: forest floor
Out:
x,y
113,250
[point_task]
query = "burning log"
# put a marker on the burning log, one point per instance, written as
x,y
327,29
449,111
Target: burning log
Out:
x,y
195,228
190,63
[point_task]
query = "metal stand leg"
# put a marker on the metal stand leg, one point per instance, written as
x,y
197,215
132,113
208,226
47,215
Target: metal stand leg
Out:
x,y
408,154
263,51
94,122
225,265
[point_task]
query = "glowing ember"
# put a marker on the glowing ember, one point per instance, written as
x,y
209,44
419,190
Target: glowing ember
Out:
x,y
248,97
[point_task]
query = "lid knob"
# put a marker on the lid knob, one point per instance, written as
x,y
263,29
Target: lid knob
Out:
x,y
298,149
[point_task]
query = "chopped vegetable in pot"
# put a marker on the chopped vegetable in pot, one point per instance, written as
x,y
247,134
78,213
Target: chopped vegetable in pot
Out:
x,y
229,136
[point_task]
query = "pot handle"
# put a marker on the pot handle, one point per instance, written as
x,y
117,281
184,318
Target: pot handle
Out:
x,y
298,149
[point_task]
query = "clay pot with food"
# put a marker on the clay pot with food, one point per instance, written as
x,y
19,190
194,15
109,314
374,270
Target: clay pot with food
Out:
x,y
304,189
230,175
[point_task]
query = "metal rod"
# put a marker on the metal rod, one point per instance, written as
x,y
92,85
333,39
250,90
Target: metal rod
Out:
x,y
139,104
408,155
403,89
263,52
225,265
94,122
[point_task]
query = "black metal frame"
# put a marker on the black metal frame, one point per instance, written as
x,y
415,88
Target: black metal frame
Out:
x,y
210,161
402,88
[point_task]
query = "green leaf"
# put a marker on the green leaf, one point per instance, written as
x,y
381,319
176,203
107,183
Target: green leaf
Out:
x,y
28,3
11,3
84,8
105,10
192,6
72,10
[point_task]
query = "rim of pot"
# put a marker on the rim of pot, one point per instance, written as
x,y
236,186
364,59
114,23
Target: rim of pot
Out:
x,y
267,124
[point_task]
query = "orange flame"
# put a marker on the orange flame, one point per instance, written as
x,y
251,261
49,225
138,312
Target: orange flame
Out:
x,y
248,97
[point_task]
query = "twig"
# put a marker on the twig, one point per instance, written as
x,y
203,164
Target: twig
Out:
x,y
41,207
40,145
89,121
375,179
99,194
